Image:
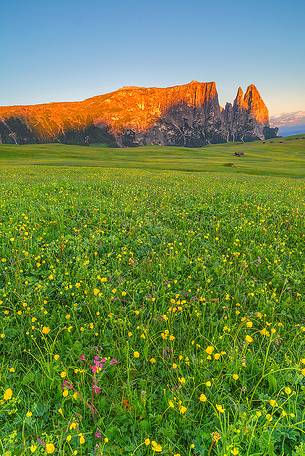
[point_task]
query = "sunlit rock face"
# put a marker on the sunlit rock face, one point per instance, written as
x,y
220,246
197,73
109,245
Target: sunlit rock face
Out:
x,y
185,115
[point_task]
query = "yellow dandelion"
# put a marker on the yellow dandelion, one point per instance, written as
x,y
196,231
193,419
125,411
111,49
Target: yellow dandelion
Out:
x,y
8,394
45,330
202,397
248,339
220,408
209,350
50,448
136,354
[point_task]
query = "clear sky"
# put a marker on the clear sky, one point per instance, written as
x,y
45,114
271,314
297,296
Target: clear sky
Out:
x,y
58,50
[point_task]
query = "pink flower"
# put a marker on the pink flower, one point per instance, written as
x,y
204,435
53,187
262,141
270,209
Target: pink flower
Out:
x,y
114,361
82,357
66,385
94,369
96,389
98,435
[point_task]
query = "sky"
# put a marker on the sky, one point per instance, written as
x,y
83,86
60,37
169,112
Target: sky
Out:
x,y
64,50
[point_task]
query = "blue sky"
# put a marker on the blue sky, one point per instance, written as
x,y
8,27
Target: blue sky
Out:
x,y
70,50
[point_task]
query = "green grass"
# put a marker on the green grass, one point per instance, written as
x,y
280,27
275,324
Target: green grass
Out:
x,y
279,157
98,259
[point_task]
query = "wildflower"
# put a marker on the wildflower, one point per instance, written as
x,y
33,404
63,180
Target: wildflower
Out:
x,y
288,390
63,374
29,414
69,438
56,357
73,425
65,393
8,394
235,451
209,350
171,404
273,403
136,354
81,439
303,371
220,408
182,410
269,417
45,330
152,361
248,339
181,380
147,441
208,384
249,324
33,448
215,437
202,397
265,332
156,447
50,448
235,377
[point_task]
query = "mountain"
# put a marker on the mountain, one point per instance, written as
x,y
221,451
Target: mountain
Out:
x,y
186,115
290,123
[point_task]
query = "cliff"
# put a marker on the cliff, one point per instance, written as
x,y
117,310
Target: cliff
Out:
x,y
186,115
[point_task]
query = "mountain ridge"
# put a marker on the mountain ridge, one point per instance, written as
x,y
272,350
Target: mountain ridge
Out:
x,y
187,114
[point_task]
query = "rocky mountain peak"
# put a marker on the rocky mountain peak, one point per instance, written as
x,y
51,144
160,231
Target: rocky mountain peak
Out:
x,y
188,115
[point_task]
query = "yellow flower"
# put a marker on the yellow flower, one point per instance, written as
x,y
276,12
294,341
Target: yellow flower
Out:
x,y
235,451
220,408
96,291
156,447
147,441
171,404
68,438
65,393
202,397
209,350
106,440
248,339
45,330
8,394
29,414
81,439
33,448
136,354
288,390
235,376
152,361
303,371
181,380
208,384
56,357
50,448
217,356
273,403
73,425
249,324
182,410
268,417
63,374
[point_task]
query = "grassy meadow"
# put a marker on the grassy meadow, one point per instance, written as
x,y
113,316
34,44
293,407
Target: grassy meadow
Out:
x,y
152,300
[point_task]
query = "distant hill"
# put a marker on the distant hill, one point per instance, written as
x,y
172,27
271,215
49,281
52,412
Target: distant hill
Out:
x,y
291,123
186,115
